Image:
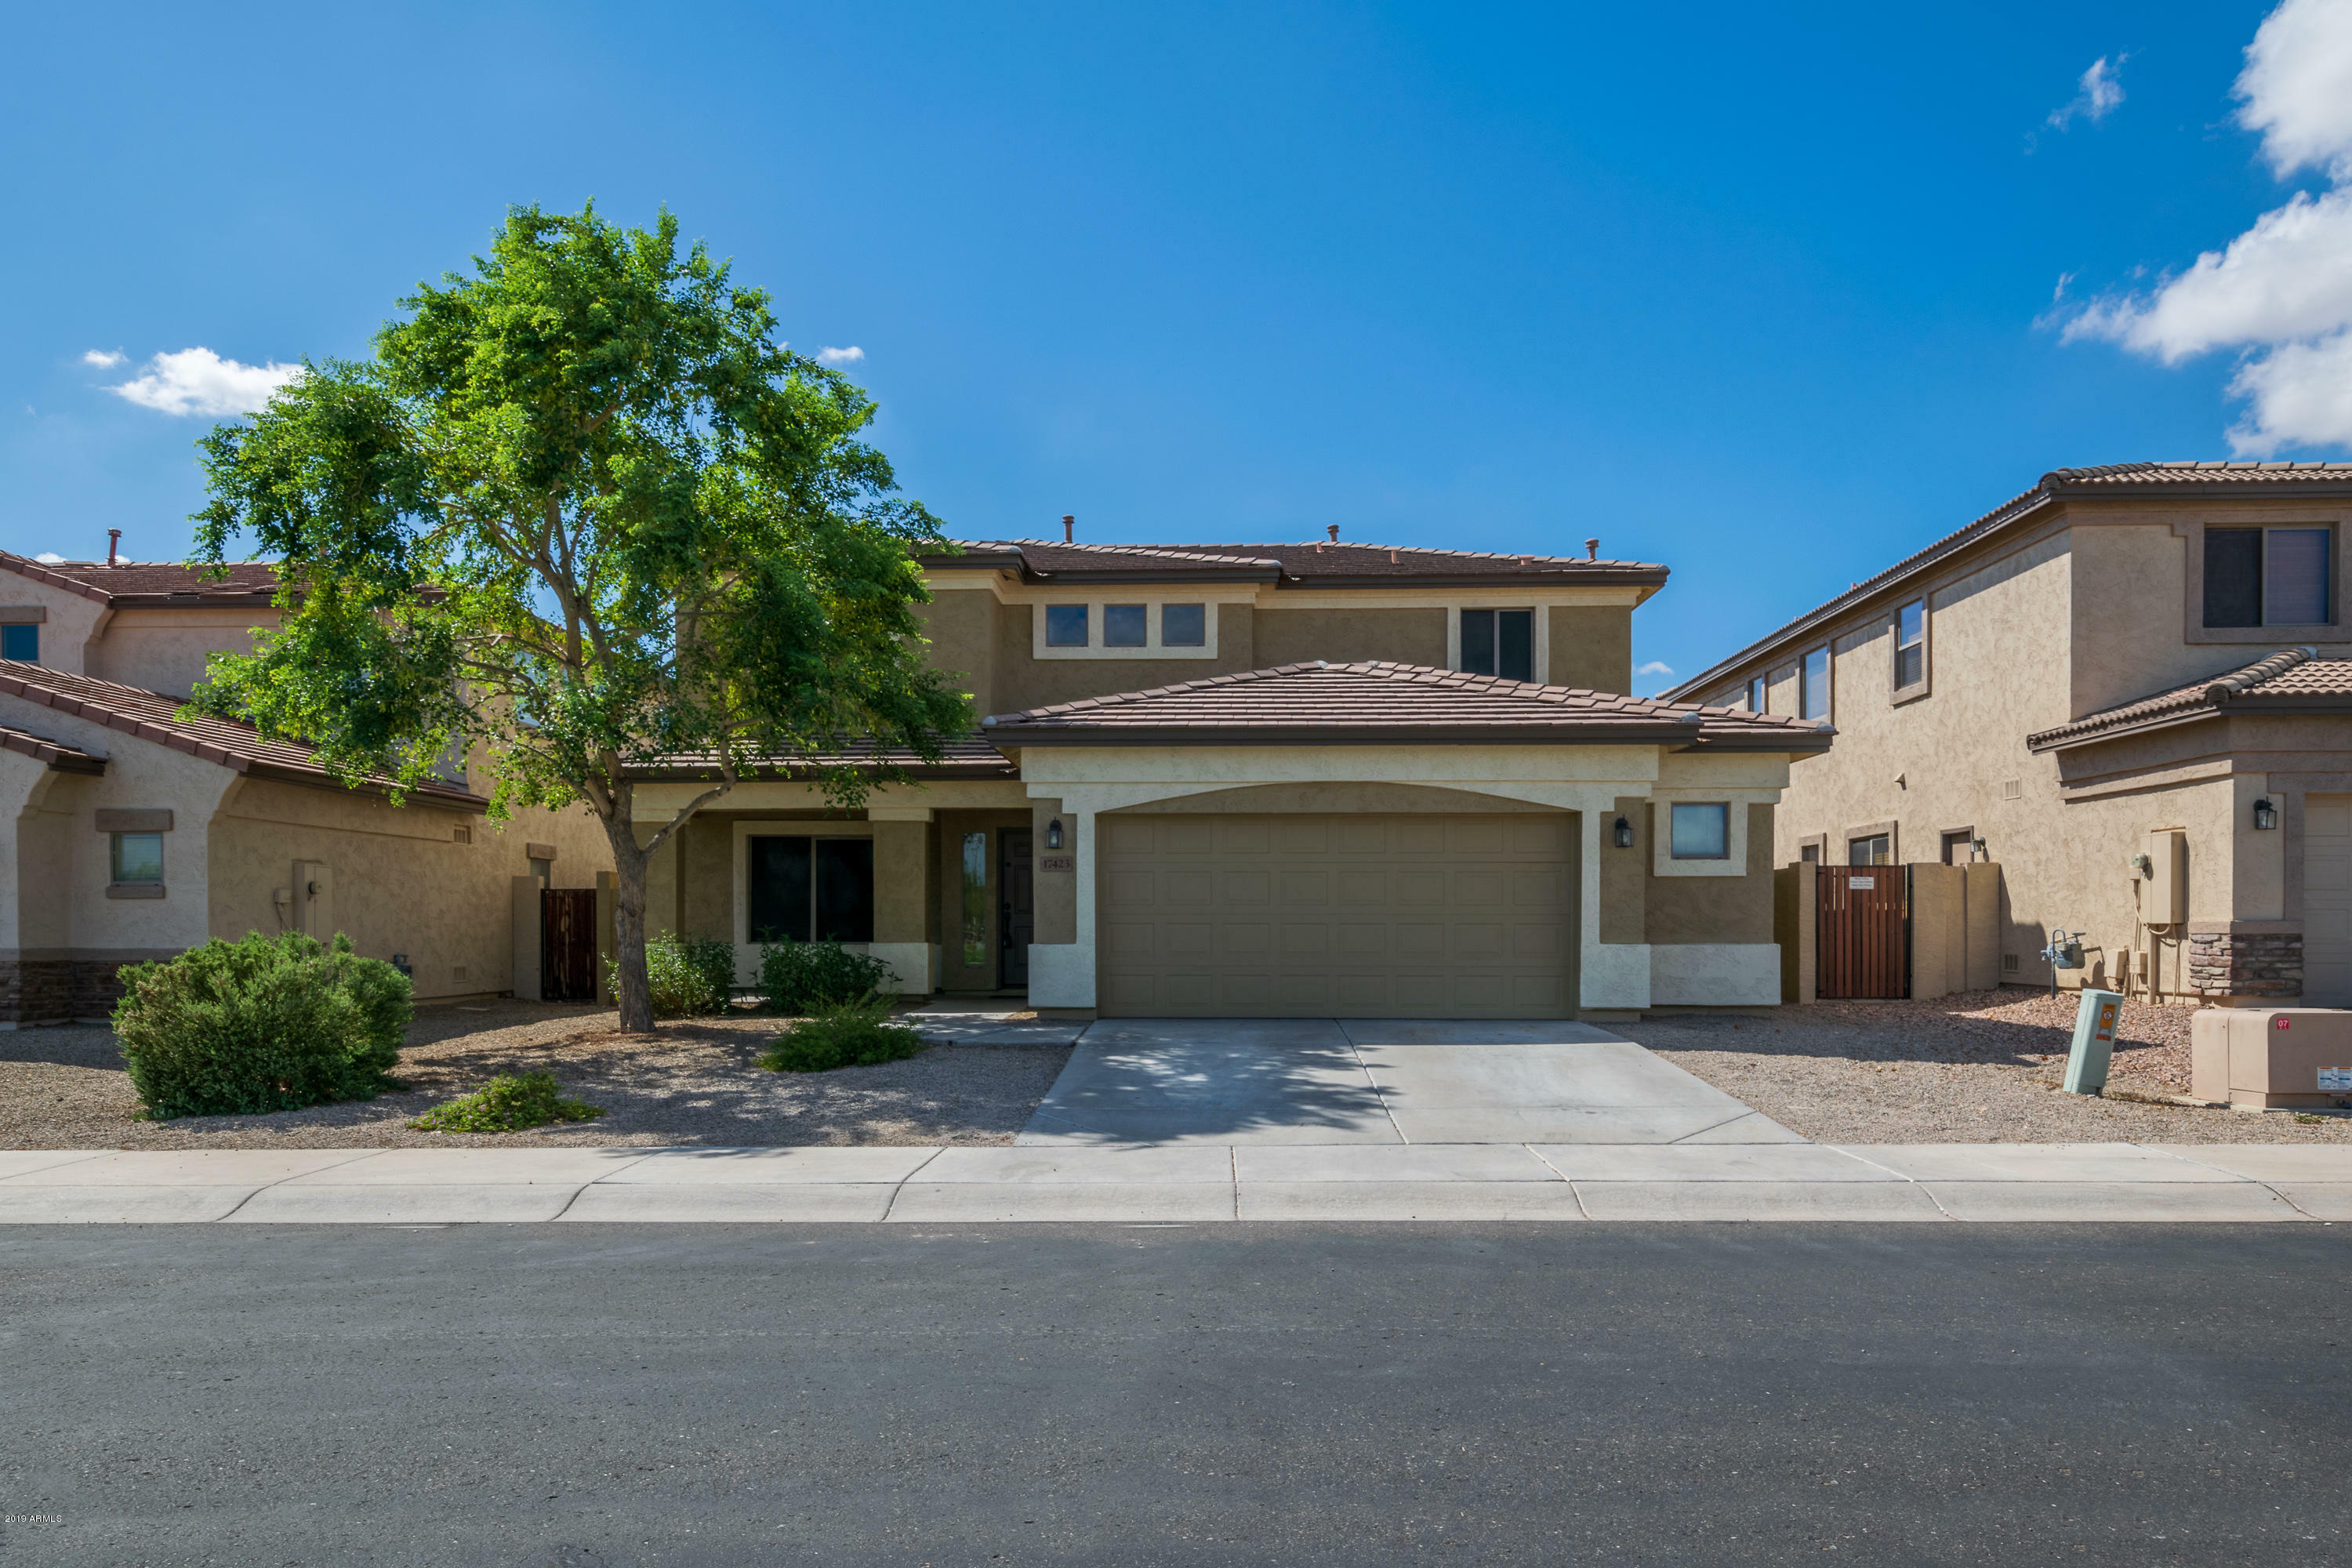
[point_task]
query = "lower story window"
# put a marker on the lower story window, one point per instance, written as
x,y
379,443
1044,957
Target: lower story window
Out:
x,y
137,860
22,643
1875,850
804,889
1701,831
974,922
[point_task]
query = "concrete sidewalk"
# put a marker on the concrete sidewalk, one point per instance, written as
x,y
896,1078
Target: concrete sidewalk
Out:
x,y
1187,1183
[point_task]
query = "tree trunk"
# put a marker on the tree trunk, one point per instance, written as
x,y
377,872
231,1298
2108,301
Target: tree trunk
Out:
x,y
632,989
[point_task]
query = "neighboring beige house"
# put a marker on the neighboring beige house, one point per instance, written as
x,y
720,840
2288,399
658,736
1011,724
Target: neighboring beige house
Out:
x,y
1279,779
132,833
2132,687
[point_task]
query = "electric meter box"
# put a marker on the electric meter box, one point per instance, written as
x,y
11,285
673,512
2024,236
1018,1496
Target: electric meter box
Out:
x,y
2164,900
2271,1056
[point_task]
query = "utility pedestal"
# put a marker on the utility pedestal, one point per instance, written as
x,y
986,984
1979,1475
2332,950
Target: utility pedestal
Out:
x,y
2094,1041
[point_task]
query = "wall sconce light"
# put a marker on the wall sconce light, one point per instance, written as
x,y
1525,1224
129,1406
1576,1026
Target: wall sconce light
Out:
x,y
1053,834
1625,832
2266,815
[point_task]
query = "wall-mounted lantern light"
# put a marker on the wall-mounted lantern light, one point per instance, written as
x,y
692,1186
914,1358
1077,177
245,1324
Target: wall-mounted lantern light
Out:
x,y
2266,815
1624,834
1053,834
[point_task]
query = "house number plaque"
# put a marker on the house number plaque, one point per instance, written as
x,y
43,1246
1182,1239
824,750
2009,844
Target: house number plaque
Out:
x,y
1058,862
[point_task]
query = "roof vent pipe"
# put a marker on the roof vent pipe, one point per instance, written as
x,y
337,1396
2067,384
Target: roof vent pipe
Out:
x,y
113,541
1069,528
1592,550
1333,530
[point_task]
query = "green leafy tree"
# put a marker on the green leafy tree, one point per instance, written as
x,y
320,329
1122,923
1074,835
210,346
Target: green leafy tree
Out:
x,y
580,509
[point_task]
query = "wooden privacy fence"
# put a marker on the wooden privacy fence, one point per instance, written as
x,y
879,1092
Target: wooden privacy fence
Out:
x,y
567,944
1860,946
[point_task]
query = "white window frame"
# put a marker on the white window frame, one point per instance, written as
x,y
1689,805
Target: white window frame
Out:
x,y
1735,801
1919,688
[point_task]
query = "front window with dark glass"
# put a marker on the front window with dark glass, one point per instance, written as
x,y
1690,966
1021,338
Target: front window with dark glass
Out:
x,y
1183,626
1125,626
2268,576
1878,849
138,859
1700,830
1911,644
1499,642
21,642
1065,626
804,889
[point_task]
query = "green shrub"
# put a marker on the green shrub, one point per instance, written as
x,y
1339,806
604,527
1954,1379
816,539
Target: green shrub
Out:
x,y
266,1023
800,977
508,1103
691,976
847,1033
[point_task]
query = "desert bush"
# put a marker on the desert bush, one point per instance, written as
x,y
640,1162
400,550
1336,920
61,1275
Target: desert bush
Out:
x,y
690,976
800,977
508,1103
266,1023
846,1034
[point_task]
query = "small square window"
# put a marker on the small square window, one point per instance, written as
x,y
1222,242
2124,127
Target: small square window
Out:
x,y
22,643
1183,626
1499,642
1065,626
138,858
1701,832
1124,626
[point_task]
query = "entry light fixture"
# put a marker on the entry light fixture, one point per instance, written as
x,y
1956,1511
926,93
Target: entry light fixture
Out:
x,y
2266,815
1625,832
1053,834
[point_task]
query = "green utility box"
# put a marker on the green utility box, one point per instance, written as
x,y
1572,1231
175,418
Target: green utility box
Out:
x,y
2094,1041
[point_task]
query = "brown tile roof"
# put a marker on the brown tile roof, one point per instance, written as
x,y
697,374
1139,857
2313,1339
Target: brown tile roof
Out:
x,y
60,757
965,757
1309,565
2292,679
154,717
1379,703
2206,480
151,582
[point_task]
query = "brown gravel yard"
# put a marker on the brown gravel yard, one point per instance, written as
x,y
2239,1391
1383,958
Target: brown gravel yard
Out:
x,y
1977,1067
694,1081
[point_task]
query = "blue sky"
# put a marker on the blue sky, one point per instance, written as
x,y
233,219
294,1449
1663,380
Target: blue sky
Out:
x,y
1763,292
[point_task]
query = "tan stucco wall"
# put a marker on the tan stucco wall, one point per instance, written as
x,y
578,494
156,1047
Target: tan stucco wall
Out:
x,y
1055,892
1592,647
1328,797
902,881
961,625
1625,873
1344,636
1025,681
1677,910
71,620
163,649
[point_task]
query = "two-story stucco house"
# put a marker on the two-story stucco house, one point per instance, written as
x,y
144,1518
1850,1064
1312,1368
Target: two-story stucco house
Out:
x,y
2132,687
1279,779
132,833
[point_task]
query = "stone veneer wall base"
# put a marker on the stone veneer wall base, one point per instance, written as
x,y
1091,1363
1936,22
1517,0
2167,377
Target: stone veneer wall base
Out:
x,y
2246,963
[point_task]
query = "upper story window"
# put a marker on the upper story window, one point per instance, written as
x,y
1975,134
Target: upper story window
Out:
x,y
1911,644
1126,626
1499,642
2268,576
1755,698
1065,626
1183,626
21,642
1814,685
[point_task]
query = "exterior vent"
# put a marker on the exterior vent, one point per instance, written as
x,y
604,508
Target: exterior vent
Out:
x,y
2011,789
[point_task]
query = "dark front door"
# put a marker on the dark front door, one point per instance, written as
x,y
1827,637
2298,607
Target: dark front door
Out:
x,y
1016,905
1862,938
567,944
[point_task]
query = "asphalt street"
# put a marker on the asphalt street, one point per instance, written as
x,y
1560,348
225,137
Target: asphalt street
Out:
x,y
1685,1394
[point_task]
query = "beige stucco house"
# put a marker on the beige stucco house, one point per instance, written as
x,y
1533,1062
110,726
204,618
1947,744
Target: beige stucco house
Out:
x,y
2131,686
132,834
1263,779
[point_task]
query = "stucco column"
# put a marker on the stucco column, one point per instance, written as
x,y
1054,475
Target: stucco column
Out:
x,y
1062,974
1614,975
904,893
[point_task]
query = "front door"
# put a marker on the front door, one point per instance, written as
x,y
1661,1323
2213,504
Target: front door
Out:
x,y
1016,912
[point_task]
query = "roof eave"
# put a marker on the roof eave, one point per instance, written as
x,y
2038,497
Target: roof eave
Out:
x,y
1676,736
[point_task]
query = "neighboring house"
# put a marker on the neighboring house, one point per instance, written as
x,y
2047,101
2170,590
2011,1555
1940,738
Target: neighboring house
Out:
x,y
133,834
1278,780
2132,687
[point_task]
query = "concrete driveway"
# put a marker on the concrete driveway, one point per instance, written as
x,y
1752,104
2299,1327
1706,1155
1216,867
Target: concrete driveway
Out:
x,y
1325,1080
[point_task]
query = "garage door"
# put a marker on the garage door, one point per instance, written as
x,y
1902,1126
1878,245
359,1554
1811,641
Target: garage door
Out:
x,y
1338,916
2327,900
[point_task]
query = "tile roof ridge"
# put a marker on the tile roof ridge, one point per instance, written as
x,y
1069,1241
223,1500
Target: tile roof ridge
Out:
x,y
51,678
2224,687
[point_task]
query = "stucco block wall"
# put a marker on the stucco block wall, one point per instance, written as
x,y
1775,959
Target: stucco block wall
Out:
x,y
1344,636
164,650
1592,647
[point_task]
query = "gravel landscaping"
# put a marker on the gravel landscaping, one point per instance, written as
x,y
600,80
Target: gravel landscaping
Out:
x,y
692,1081
1979,1067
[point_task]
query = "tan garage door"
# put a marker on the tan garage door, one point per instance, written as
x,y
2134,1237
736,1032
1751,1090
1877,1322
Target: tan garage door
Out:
x,y
1340,916
2327,900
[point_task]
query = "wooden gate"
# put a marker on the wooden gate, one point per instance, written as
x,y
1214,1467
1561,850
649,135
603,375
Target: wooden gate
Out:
x,y
1864,923
567,944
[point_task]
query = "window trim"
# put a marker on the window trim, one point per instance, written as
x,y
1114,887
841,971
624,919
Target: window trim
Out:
x,y
1675,809
1919,688
1740,804
747,947
1828,651
1892,831
1154,625
1759,694
2337,520
1537,652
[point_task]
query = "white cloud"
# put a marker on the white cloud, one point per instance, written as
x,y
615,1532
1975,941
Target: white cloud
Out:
x,y
104,359
198,381
2297,87
2280,293
2101,92
1656,667
50,558
849,355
